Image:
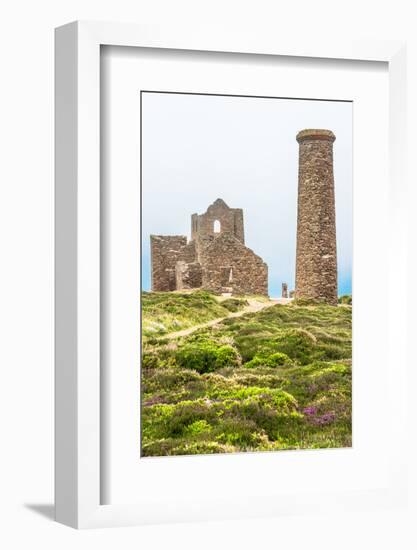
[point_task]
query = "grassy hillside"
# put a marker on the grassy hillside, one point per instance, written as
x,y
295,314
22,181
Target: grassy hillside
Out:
x,y
165,312
276,379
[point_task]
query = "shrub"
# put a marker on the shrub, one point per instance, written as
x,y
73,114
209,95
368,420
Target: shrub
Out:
x,y
207,356
234,304
198,427
162,421
150,361
255,398
345,299
266,378
268,411
295,343
239,393
278,359
284,401
248,345
334,352
168,447
239,432
201,448
216,383
200,357
227,356
251,328
274,360
255,362
168,379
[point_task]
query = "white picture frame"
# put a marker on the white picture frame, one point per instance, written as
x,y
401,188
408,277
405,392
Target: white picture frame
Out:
x,y
77,421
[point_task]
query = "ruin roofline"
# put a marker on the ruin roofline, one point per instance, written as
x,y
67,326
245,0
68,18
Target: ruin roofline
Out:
x,y
219,201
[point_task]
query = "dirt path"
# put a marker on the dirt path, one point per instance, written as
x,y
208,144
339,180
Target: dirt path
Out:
x,y
253,307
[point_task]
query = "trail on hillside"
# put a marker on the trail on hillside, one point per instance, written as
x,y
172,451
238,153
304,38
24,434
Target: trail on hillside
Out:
x,y
254,307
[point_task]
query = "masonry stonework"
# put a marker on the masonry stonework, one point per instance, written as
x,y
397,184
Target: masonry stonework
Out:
x,y
218,218
165,252
229,266
215,259
316,260
188,275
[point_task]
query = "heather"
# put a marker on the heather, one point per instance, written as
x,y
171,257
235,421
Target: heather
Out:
x,y
270,380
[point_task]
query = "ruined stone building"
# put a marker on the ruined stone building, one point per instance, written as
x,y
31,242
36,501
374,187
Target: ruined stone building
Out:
x,y
316,259
215,258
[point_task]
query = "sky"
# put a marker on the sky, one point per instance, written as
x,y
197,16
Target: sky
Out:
x,y
197,148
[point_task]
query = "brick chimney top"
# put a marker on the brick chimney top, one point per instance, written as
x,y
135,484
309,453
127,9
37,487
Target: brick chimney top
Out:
x,y
309,134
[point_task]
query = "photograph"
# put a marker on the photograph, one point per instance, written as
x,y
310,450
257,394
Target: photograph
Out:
x,y
246,274
208,255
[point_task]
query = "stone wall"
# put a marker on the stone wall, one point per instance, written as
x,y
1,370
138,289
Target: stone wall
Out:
x,y
316,262
229,266
166,251
188,275
215,259
189,253
230,220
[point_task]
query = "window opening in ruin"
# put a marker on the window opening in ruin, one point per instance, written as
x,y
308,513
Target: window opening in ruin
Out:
x,y
216,226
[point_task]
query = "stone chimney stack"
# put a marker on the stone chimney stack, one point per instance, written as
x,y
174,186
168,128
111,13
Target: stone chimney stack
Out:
x,y
316,263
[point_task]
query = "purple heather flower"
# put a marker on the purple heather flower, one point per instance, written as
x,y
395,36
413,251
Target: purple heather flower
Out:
x,y
310,411
326,418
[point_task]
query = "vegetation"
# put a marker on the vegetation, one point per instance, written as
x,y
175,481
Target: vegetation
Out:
x,y
276,379
165,312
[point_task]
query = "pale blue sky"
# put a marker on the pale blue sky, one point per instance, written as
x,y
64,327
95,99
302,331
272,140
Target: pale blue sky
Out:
x,y
196,149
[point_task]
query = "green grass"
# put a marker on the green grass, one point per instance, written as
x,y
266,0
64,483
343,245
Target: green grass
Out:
x,y
165,312
272,380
